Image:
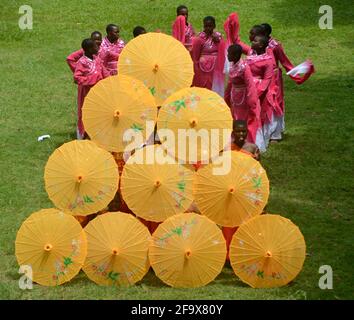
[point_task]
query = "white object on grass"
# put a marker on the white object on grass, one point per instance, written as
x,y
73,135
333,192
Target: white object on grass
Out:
x,y
41,138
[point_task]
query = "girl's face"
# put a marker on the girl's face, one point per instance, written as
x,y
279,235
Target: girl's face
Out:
x,y
97,38
256,44
93,49
113,34
209,27
183,12
252,35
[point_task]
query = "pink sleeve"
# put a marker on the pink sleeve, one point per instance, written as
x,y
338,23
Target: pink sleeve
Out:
x,y
73,58
105,72
83,77
246,49
280,55
227,94
220,61
178,29
252,95
232,28
193,32
263,84
196,50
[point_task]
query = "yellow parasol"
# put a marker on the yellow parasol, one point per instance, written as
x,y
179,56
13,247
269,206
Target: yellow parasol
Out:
x,y
154,186
53,244
113,106
41,213
81,178
235,195
160,61
187,250
117,251
193,112
267,251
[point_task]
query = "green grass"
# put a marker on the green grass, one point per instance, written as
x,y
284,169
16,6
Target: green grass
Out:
x,y
311,171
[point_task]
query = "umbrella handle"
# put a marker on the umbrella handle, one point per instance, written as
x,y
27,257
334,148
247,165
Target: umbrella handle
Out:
x,y
193,122
156,68
268,254
48,247
157,183
188,253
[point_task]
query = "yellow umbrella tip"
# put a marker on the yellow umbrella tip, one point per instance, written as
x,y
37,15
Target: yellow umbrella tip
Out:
x,y
157,183
116,114
188,253
268,254
48,247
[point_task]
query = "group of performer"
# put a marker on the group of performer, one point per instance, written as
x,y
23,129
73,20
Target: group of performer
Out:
x,y
254,90
248,77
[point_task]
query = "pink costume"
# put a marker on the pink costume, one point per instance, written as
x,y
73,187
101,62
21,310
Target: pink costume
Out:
x,y
264,73
209,59
73,58
87,73
109,54
232,30
243,101
183,32
280,57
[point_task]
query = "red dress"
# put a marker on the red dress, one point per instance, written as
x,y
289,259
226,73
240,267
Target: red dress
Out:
x,y
242,97
73,58
87,73
183,32
281,59
263,70
232,30
209,59
109,54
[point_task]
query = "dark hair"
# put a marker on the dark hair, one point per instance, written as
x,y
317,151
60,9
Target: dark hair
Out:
x,y
138,30
179,8
209,18
239,123
110,27
263,39
235,49
87,44
267,28
96,32
259,30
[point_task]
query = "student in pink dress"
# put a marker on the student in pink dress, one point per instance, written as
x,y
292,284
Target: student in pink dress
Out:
x,y
74,57
208,54
281,59
263,69
243,96
111,48
88,71
182,30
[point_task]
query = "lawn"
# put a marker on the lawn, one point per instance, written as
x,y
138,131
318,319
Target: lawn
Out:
x,y
310,171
